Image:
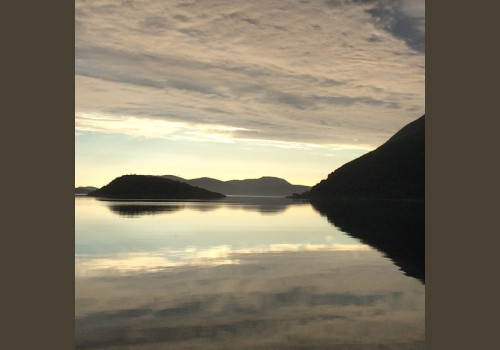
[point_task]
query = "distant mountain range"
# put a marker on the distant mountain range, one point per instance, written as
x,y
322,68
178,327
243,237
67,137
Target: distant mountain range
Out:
x,y
395,170
264,186
151,187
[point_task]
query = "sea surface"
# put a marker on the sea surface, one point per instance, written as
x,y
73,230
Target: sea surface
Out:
x,y
237,273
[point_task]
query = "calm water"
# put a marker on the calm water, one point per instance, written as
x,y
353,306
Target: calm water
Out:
x,y
242,273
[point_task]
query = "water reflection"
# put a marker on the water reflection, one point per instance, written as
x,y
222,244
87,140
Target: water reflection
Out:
x,y
191,256
397,228
189,233
264,205
292,300
224,275
134,210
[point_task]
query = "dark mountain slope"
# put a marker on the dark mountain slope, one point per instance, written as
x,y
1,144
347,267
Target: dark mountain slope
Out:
x,y
395,170
152,187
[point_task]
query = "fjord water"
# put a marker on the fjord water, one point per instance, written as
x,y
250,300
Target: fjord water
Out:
x,y
243,272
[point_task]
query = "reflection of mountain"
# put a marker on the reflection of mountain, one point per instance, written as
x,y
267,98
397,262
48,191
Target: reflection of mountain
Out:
x,y
263,205
264,186
152,187
262,208
395,170
396,228
134,210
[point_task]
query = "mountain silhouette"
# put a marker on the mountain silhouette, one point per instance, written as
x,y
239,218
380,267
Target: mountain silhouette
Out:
x,y
151,187
264,186
395,170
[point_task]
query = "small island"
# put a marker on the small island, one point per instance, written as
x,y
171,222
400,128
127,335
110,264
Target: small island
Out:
x,y
151,187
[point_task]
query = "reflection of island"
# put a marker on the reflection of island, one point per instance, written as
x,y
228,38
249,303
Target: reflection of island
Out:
x,y
396,228
134,210
263,205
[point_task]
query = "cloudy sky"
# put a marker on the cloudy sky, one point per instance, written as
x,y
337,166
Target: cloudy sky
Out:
x,y
241,89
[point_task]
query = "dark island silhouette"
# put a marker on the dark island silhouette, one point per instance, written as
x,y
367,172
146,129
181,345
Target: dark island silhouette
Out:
x,y
84,190
151,187
264,186
395,170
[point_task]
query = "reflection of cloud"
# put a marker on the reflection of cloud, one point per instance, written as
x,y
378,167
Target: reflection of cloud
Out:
x,y
194,256
349,300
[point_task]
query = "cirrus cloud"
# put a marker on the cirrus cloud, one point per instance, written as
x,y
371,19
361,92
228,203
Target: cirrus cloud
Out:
x,y
320,72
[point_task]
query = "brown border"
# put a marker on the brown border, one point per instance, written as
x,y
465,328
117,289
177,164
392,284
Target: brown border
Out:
x,y
460,200
38,175
38,147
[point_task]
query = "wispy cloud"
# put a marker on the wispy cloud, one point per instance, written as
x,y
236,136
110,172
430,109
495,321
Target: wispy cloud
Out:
x,y
153,128
159,128
324,72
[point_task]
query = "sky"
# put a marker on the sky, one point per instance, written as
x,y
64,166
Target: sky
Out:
x,y
235,89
